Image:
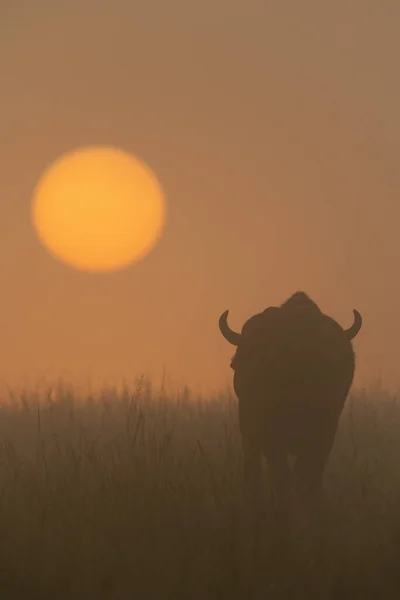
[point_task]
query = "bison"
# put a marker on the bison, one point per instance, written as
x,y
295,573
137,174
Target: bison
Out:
x,y
293,369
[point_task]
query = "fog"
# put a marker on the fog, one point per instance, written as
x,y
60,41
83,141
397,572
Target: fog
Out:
x,y
275,135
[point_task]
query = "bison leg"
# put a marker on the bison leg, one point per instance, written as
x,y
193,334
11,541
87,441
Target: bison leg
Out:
x,y
280,475
251,434
308,475
310,465
254,491
280,522
252,470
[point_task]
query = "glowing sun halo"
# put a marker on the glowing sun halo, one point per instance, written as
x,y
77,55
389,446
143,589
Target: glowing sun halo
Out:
x,y
98,209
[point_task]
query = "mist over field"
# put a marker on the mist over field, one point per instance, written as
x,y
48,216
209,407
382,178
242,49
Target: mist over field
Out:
x,y
273,129
163,164
139,493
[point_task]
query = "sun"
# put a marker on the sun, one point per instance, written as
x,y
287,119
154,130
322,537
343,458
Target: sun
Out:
x,y
98,209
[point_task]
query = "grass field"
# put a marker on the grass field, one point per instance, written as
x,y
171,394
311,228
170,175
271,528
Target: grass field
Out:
x,y
137,495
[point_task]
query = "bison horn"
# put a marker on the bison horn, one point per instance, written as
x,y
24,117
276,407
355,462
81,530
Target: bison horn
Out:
x,y
227,332
355,328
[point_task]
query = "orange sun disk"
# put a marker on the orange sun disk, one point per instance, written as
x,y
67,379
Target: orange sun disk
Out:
x,y
98,209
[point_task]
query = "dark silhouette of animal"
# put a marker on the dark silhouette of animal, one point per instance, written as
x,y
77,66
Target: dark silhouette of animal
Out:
x,y
293,369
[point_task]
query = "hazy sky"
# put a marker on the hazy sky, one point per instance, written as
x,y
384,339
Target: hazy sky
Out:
x,y
275,133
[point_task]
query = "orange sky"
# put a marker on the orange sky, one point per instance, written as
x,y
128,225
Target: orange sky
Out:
x,y
275,134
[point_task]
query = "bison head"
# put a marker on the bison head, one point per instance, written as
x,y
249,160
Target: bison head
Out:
x,y
297,303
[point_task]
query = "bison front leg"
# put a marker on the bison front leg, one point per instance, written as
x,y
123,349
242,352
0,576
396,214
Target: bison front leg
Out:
x,y
280,476
253,472
252,464
311,463
280,522
251,434
253,483
308,472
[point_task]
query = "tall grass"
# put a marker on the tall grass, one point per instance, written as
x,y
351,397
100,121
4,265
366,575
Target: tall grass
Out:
x,y
138,495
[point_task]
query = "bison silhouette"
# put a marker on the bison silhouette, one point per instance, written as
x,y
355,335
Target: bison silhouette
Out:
x,y
293,369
